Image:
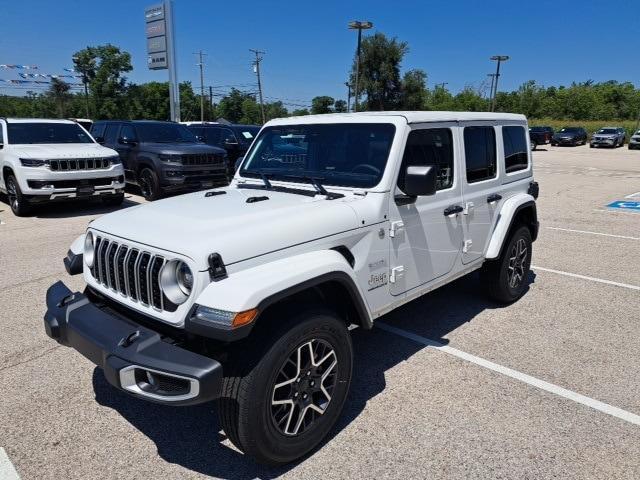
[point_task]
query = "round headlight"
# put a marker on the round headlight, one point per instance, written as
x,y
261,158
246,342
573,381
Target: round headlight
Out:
x,y
184,278
89,251
176,281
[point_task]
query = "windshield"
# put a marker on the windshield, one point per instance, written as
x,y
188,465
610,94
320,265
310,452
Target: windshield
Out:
x,y
164,133
37,133
351,155
608,131
569,130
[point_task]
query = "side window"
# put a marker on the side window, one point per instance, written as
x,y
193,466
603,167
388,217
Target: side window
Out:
x,y
97,130
432,146
516,156
212,136
111,133
128,131
480,153
228,134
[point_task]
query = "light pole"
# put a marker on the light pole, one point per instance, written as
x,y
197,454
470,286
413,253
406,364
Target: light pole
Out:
x,y
493,79
358,25
348,85
499,59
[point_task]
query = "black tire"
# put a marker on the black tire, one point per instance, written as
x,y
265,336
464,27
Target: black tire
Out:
x,y
534,145
591,145
498,274
19,205
246,412
113,200
149,184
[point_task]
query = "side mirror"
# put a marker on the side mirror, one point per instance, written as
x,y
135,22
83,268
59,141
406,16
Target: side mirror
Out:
x,y
100,140
126,141
236,166
230,141
420,181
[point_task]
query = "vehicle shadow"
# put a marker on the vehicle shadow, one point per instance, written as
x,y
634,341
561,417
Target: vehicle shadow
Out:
x,y
192,437
81,208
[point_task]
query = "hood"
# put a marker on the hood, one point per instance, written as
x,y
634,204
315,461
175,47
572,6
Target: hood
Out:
x,y
63,150
179,148
196,226
604,135
566,134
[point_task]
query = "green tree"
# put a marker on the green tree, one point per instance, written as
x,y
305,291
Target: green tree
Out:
x,y
300,112
322,104
103,67
340,106
59,93
379,77
275,110
413,93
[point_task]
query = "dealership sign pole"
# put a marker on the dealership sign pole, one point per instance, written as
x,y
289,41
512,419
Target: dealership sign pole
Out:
x,y
161,51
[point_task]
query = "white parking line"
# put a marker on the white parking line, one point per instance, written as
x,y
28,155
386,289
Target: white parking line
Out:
x,y
614,210
633,195
523,377
7,470
585,277
593,233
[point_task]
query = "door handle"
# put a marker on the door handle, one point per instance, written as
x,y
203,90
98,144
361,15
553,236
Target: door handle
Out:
x,y
494,198
452,210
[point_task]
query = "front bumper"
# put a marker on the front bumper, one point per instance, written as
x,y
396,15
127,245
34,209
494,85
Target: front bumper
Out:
x,y
178,177
601,142
565,141
135,359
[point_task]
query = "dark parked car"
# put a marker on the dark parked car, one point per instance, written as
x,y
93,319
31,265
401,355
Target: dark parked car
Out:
x,y
609,137
540,136
235,139
161,157
570,136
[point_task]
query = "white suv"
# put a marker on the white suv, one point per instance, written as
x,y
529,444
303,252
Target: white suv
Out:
x,y
43,160
245,293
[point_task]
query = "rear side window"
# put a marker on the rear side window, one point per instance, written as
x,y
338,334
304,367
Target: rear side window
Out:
x,y
97,130
480,153
128,132
516,156
111,133
432,146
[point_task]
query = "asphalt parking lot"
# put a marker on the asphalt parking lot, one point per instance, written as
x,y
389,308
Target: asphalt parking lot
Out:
x,y
449,386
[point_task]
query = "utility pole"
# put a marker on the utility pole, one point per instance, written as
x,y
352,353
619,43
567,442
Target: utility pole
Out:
x,y
348,85
256,67
211,104
493,79
201,65
441,84
499,59
357,25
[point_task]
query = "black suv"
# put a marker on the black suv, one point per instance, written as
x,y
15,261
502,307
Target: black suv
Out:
x,y
162,156
570,136
235,139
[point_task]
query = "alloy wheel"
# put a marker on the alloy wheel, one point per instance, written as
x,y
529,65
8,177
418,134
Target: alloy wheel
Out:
x,y
304,386
146,184
12,193
517,263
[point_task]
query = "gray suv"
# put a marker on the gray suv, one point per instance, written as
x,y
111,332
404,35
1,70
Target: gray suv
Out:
x,y
608,137
162,157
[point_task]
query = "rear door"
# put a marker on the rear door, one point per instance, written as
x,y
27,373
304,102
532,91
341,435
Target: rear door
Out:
x,y
425,242
481,186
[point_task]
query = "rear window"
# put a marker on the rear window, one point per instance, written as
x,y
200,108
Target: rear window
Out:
x,y
480,153
45,133
516,156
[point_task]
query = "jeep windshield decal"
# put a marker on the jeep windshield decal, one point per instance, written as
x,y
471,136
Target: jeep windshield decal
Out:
x,y
343,154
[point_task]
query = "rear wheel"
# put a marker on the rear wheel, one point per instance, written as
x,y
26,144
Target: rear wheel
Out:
x,y
19,205
506,277
149,184
534,145
279,405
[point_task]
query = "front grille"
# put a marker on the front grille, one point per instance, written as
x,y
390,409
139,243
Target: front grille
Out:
x,y
202,159
79,164
132,273
96,182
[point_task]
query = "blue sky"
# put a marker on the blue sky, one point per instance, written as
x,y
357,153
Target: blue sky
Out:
x,y
309,48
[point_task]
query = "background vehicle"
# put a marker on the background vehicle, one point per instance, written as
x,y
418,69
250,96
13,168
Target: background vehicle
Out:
x,y
608,137
570,136
162,157
235,139
45,160
244,294
634,141
540,136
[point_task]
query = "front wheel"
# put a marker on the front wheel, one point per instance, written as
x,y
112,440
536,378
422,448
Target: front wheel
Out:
x,y
506,277
149,184
280,405
19,205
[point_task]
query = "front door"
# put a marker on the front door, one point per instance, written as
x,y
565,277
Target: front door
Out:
x,y
425,235
480,187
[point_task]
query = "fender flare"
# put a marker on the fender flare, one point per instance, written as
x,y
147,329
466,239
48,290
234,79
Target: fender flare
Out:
x,y
508,213
263,285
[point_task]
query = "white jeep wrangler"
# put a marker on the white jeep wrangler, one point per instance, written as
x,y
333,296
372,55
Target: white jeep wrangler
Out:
x,y
244,294
43,160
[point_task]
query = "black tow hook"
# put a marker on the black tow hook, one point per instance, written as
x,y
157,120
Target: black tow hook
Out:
x,y
129,339
67,300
